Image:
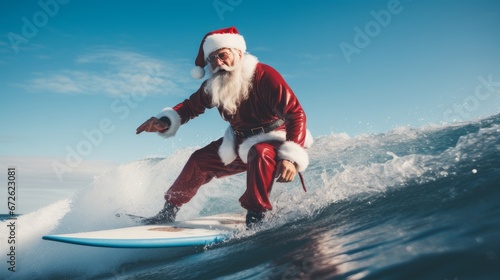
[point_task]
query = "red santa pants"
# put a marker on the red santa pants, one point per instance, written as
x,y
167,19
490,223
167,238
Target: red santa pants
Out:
x,y
205,164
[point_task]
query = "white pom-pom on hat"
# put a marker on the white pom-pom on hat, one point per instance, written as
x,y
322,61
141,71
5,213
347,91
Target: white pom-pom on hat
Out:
x,y
197,72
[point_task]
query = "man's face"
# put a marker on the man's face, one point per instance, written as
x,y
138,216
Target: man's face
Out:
x,y
222,58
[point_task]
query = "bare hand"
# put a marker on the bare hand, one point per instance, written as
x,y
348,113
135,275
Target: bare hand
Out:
x,y
285,171
152,125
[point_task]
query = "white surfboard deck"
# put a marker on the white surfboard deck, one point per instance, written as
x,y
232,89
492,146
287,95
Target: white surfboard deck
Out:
x,y
197,232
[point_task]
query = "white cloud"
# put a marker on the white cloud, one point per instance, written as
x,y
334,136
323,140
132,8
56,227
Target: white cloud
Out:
x,y
62,83
114,72
317,56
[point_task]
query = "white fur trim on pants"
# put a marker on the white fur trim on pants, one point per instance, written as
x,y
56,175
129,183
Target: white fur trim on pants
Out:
x,y
289,150
295,153
175,121
277,135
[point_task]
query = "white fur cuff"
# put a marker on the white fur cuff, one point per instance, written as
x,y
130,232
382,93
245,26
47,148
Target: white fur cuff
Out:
x,y
294,152
175,121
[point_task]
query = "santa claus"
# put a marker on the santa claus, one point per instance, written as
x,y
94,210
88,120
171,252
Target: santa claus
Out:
x,y
266,137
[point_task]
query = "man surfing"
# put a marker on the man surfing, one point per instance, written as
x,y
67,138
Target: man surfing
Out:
x,y
266,137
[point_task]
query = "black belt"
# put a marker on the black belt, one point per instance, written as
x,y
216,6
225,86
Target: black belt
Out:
x,y
258,130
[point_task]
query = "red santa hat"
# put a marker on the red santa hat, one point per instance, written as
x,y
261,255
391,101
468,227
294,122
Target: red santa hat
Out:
x,y
218,39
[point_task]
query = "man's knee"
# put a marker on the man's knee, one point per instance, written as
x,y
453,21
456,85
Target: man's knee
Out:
x,y
261,151
206,157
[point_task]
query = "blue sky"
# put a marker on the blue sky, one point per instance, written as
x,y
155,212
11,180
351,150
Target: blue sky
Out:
x,y
79,76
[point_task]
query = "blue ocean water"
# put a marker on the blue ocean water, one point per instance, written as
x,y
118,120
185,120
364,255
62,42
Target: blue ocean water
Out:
x,y
413,203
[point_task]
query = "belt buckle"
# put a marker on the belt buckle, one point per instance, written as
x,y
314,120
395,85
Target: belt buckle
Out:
x,y
257,130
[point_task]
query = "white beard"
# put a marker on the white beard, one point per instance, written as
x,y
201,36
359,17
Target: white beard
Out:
x,y
229,86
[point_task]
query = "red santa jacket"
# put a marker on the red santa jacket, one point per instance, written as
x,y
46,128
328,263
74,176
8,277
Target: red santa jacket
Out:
x,y
270,99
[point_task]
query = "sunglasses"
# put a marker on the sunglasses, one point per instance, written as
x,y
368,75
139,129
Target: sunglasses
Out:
x,y
222,56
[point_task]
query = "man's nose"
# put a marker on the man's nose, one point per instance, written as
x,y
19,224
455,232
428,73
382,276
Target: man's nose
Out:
x,y
219,62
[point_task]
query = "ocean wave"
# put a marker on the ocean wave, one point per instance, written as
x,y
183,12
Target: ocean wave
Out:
x,y
416,180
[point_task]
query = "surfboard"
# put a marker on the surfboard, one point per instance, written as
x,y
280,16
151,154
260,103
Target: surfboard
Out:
x,y
196,232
